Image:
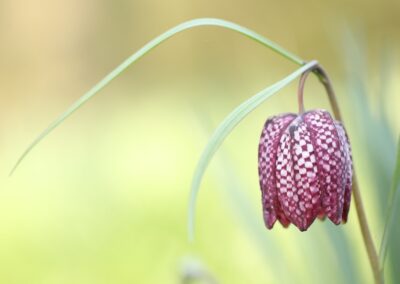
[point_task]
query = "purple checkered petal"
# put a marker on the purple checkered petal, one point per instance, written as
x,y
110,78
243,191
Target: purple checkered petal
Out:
x,y
331,158
305,169
349,169
296,169
267,152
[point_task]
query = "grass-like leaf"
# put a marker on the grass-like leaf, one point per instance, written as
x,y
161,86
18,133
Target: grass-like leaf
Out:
x,y
392,210
143,51
227,125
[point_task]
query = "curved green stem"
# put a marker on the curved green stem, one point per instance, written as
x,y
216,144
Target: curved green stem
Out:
x,y
362,217
143,51
366,233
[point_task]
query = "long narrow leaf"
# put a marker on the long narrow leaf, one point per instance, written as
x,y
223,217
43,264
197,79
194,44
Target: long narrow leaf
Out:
x,y
143,51
392,210
227,125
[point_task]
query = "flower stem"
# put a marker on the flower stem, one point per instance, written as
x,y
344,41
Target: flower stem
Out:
x,y
362,218
369,244
300,90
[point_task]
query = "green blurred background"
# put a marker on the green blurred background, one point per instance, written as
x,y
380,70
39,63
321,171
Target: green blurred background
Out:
x,y
104,198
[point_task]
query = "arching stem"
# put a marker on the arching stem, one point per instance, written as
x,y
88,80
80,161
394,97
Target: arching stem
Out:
x,y
300,90
362,218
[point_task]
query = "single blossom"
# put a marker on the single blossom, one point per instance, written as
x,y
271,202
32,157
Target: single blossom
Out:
x,y
305,169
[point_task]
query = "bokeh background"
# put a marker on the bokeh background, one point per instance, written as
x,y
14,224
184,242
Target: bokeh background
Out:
x,y
104,198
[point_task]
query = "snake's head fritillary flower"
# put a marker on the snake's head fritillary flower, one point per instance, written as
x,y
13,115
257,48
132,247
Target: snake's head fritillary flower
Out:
x,y
305,169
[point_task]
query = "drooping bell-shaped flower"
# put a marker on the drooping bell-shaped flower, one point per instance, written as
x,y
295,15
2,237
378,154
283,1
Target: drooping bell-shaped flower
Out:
x,y
305,169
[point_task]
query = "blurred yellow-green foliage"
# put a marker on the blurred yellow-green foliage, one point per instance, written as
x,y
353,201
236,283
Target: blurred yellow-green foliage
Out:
x,y
104,198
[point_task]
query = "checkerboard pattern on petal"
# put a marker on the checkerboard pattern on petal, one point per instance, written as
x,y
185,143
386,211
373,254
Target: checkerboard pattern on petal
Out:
x,y
305,169
349,169
267,154
331,162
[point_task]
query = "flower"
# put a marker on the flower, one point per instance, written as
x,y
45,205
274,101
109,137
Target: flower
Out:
x,y
305,169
